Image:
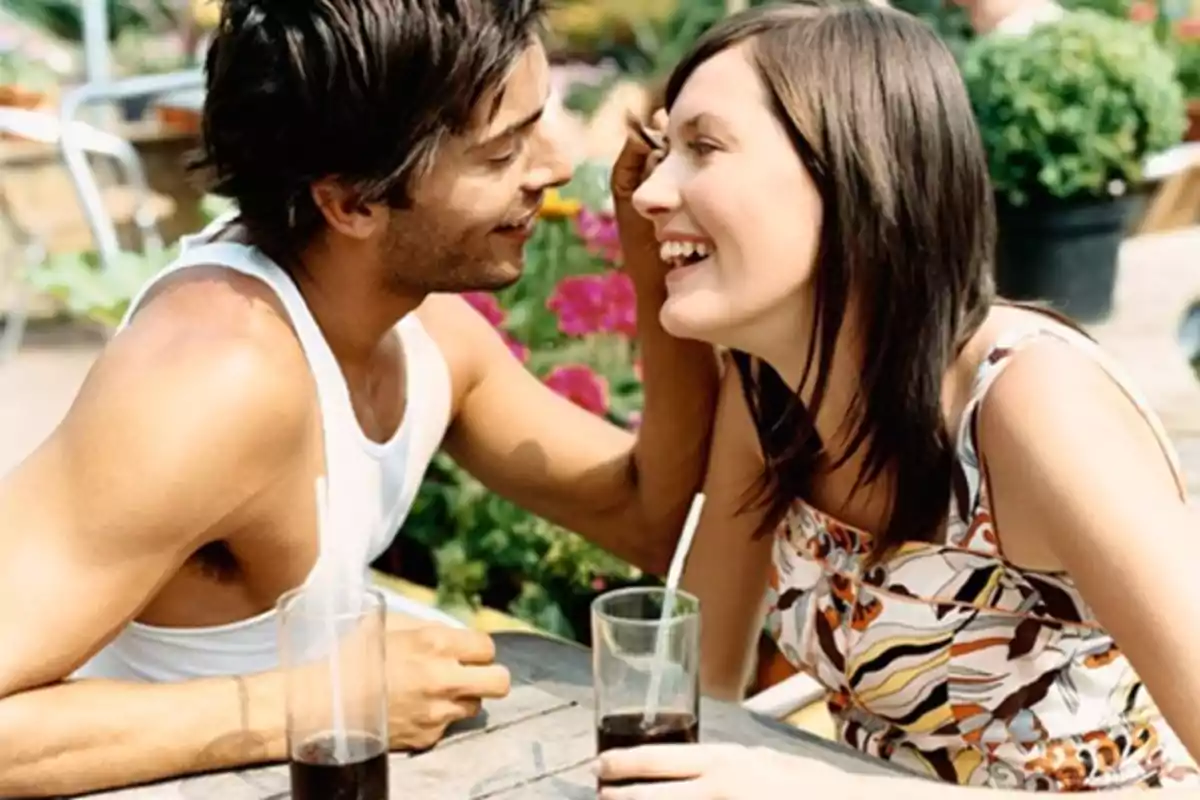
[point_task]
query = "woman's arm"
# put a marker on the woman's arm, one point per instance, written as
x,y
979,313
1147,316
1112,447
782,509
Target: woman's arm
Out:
x,y
727,567
1074,468
733,772
900,789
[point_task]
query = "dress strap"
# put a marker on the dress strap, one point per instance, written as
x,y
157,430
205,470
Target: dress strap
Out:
x,y
970,517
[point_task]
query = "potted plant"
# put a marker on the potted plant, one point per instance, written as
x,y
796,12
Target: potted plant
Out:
x,y
1069,114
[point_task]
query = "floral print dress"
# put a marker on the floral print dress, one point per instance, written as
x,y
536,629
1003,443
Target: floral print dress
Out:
x,y
948,660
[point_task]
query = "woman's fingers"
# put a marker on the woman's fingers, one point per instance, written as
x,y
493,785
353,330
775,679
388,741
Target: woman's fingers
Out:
x,y
674,790
659,761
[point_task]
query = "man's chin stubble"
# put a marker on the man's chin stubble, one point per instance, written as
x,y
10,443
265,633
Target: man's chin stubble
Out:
x,y
494,278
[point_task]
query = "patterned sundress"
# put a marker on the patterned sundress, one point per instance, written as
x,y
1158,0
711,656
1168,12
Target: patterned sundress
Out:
x,y
949,660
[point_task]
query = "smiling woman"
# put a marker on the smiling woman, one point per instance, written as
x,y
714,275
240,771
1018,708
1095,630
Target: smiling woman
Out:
x,y
907,467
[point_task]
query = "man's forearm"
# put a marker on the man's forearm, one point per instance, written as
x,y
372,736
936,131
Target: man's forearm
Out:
x,y
680,394
88,735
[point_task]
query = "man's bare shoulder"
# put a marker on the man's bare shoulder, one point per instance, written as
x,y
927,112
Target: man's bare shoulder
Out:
x,y
207,359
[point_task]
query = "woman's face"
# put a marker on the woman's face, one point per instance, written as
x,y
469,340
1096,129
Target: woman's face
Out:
x,y
737,216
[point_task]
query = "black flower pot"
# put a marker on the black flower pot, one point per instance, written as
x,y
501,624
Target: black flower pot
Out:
x,y
1063,252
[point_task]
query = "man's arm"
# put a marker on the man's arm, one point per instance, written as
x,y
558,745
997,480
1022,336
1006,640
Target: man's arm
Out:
x,y
90,735
170,439
627,493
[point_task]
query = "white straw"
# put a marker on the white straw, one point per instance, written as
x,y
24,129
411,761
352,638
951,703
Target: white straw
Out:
x,y
341,746
674,573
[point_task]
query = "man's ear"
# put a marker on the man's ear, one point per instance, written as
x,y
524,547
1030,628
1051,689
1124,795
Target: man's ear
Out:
x,y
345,211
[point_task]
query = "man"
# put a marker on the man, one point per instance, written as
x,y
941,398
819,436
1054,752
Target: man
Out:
x,y
380,152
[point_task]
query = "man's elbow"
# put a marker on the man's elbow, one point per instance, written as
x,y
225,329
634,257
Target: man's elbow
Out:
x,y
652,538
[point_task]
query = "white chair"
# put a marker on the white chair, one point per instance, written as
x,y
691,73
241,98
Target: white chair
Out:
x,y
27,233
786,698
78,143
75,149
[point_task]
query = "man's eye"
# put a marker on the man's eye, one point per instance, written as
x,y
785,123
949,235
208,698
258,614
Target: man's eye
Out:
x,y
510,154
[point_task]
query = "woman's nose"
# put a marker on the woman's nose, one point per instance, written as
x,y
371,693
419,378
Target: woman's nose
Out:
x,y
658,194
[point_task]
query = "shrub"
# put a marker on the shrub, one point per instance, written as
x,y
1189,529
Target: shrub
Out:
x,y
1187,55
1074,108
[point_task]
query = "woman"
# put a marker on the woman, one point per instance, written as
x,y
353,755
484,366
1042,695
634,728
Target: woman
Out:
x,y
972,531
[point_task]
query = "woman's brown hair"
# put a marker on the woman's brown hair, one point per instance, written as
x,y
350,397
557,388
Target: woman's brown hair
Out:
x,y
877,112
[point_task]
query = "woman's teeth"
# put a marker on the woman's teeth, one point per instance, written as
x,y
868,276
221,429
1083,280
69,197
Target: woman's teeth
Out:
x,y
678,254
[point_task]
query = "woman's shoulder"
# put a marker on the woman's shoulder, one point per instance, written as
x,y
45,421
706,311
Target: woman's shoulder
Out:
x,y
1052,427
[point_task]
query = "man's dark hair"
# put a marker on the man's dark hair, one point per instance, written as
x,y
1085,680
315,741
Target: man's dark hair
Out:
x,y
361,90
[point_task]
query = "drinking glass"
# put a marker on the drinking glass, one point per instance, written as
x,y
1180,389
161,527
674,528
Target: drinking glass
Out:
x,y
332,639
629,636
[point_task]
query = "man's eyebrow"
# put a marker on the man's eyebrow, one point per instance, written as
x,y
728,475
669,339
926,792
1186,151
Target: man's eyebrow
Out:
x,y
517,127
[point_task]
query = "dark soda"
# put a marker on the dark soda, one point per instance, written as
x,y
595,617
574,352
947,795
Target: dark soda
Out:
x,y
318,775
618,731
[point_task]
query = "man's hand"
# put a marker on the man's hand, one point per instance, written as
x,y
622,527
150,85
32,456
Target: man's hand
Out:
x,y
644,149
438,675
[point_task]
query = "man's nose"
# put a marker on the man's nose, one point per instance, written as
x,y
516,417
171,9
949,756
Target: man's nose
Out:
x,y
551,164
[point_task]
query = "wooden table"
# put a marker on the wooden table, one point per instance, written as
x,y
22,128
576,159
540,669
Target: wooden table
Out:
x,y
536,743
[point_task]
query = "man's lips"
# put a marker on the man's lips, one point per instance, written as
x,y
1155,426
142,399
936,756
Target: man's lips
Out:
x,y
522,227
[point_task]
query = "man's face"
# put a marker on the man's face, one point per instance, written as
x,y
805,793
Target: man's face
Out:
x,y
472,213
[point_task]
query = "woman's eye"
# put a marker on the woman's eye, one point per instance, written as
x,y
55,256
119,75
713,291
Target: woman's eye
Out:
x,y
700,147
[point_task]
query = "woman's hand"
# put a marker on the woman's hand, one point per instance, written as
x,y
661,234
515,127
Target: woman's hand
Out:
x,y
720,772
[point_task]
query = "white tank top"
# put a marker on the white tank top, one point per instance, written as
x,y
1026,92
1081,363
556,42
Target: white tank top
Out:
x,y
371,486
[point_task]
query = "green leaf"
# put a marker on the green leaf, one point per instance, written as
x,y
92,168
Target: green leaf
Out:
x,y
1073,106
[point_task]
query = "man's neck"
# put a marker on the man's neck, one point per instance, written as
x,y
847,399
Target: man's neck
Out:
x,y
350,302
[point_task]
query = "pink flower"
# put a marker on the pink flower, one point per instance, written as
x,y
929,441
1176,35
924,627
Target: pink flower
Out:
x,y
600,234
1143,11
579,303
634,420
622,304
599,584
581,386
587,304
487,305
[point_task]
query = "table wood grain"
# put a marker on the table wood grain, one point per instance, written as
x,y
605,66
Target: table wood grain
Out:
x,y
536,743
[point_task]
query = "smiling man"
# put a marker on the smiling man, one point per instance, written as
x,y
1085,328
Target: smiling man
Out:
x,y
383,155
